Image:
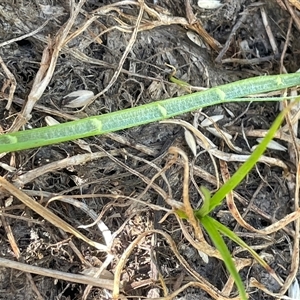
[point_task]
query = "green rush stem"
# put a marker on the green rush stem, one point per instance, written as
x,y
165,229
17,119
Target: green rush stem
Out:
x,y
147,113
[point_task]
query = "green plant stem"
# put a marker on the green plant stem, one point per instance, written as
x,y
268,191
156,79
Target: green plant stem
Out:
x,y
219,243
145,114
245,168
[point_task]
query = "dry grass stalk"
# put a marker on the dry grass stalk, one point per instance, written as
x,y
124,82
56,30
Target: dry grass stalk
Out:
x,y
47,214
82,279
48,63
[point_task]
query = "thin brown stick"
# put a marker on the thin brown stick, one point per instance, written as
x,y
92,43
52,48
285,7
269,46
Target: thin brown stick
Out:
x,y
11,81
126,52
295,255
185,194
231,36
24,36
78,159
203,283
269,31
100,282
292,12
48,64
47,214
286,43
295,3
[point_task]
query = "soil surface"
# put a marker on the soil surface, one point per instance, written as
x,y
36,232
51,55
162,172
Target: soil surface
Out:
x,y
122,184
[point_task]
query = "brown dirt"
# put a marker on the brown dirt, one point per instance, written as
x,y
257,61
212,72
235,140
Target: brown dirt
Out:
x,y
88,62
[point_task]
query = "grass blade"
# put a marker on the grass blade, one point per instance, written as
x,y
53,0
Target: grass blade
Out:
x,y
221,246
241,173
147,113
231,235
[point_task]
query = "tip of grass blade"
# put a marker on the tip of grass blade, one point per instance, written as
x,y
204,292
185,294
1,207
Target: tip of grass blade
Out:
x,y
242,172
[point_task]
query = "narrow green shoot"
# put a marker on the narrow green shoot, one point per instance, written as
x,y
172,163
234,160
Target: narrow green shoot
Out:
x,y
214,228
231,235
206,200
242,172
228,261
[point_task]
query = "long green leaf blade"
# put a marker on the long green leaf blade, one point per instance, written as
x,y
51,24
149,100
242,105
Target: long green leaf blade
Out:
x,y
231,235
145,114
242,172
221,246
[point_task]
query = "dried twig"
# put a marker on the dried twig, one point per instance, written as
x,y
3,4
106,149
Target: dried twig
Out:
x,y
269,31
126,52
232,35
22,37
295,3
48,63
202,283
11,81
47,214
82,279
292,12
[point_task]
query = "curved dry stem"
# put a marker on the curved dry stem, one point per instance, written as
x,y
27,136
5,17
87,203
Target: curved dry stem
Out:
x,y
187,208
202,283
